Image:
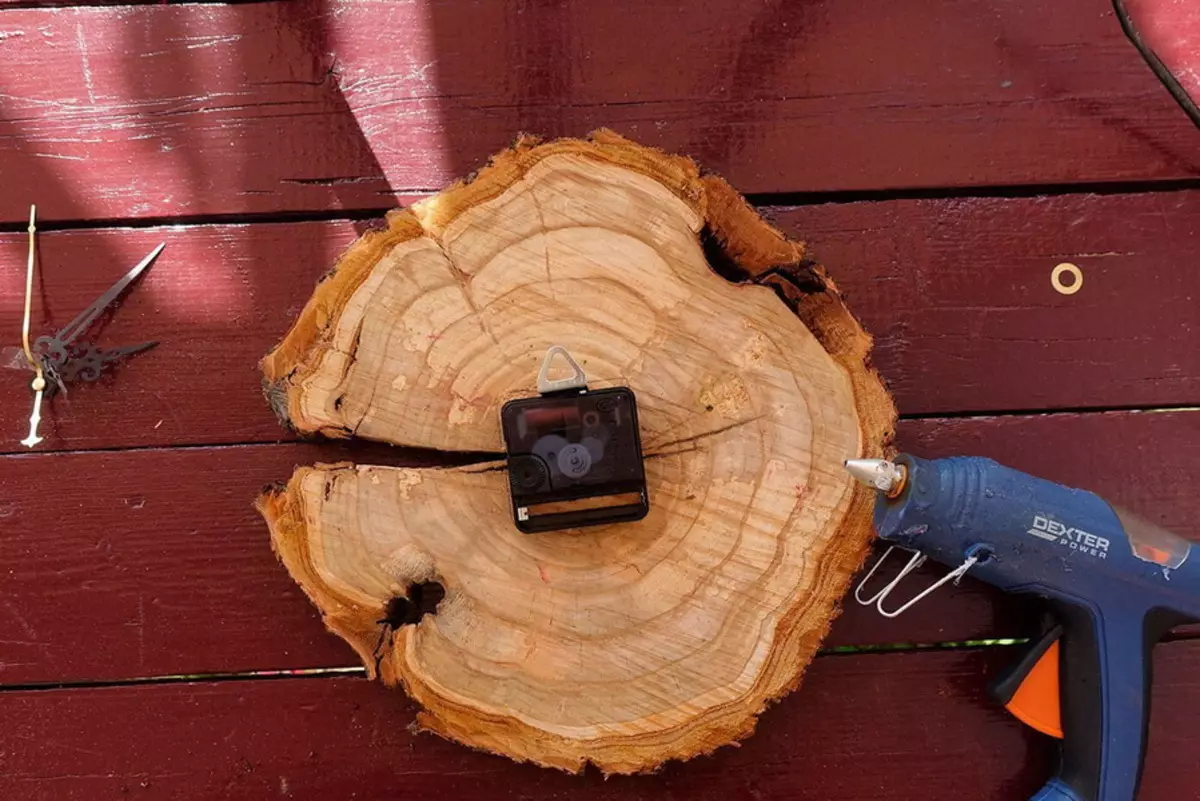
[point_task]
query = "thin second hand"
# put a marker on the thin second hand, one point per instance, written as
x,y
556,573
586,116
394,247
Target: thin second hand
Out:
x,y
39,381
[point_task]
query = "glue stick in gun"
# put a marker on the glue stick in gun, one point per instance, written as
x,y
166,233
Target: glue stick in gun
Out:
x,y
1115,583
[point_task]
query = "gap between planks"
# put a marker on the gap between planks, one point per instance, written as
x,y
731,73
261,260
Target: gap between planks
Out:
x,y
375,450
763,200
983,414
354,671
417,456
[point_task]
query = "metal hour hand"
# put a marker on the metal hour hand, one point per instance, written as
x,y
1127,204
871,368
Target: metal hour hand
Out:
x,y
90,364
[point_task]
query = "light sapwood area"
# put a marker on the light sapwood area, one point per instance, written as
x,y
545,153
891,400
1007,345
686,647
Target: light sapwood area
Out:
x,y
623,645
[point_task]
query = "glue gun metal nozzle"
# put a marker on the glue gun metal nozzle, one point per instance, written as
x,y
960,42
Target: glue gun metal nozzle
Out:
x,y
880,474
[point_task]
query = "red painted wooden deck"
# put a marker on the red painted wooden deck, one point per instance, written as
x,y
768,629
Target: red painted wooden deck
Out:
x,y
941,156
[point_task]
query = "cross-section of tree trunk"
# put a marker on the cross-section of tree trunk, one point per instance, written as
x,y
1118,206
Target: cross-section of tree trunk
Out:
x,y
623,645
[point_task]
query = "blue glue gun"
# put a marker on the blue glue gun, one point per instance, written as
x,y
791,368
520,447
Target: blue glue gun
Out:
x,y
1116,584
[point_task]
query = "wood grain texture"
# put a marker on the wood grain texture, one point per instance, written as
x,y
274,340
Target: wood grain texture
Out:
x,y
956,292
158,585
143,112
863,728
160,110
165,110
621,646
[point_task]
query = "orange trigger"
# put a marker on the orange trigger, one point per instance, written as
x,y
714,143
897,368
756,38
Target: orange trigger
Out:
x,y
1036,702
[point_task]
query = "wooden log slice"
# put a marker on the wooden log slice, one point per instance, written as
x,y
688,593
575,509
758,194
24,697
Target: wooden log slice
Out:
x,y
623,645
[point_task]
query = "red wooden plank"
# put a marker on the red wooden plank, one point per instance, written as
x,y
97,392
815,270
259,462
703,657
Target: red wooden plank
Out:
x,y
206,109
13,4
1171,29
998,339
861,727
958,295
210,299
159,110
153,562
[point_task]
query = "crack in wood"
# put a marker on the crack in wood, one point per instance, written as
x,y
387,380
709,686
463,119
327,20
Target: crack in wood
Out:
x,y
653,450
